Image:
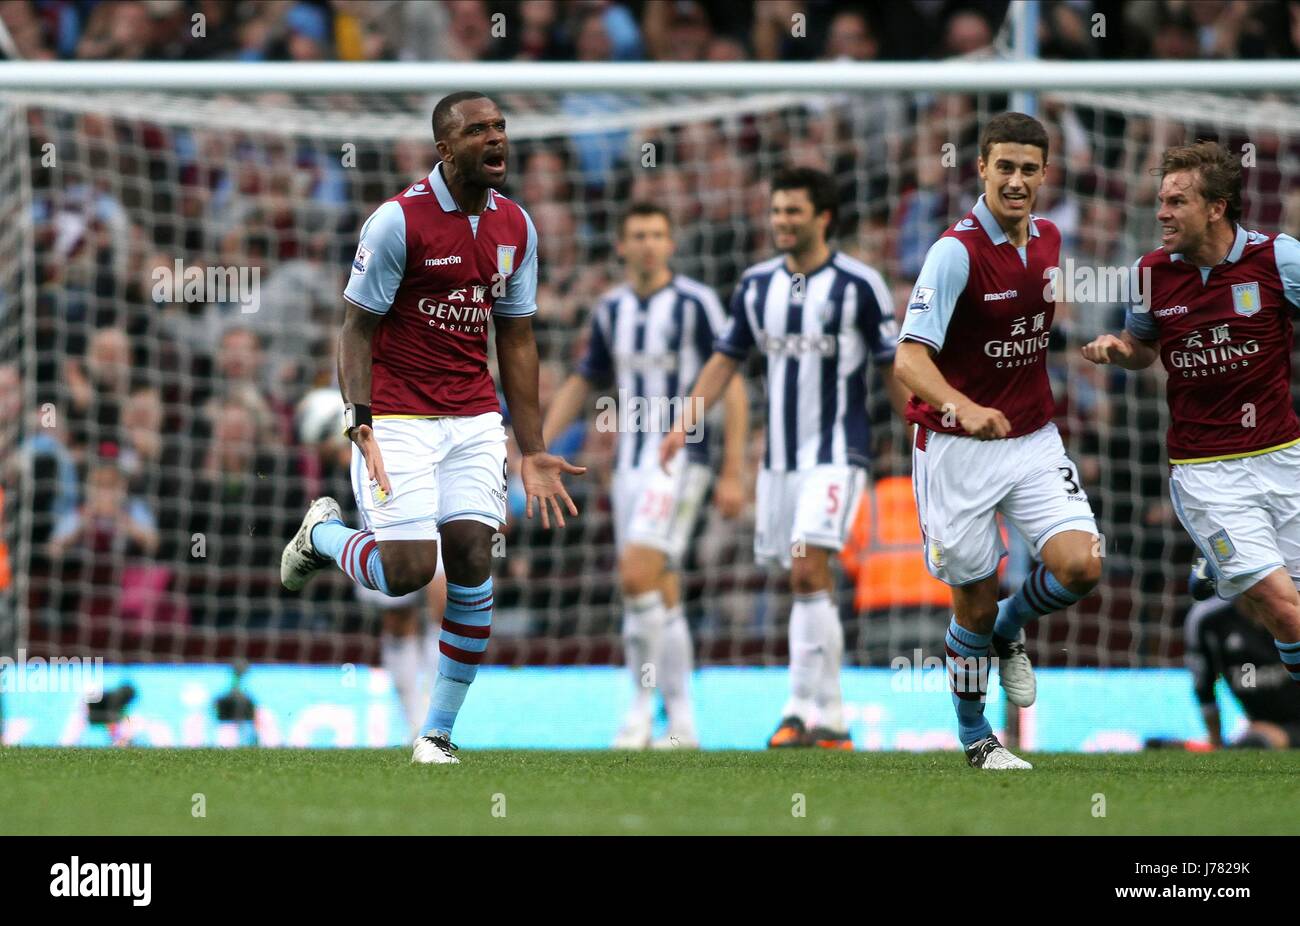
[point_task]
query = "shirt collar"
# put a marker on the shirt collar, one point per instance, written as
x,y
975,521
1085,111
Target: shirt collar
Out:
x,y
445,199
1234,252
990,225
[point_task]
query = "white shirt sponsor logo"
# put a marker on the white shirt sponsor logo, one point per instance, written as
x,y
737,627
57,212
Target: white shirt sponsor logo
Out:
x,y
998,297
442,261
1172,310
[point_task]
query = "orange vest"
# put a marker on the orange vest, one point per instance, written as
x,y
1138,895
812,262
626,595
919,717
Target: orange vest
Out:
x,y
887,564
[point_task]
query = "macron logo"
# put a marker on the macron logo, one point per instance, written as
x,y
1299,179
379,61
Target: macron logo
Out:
x,y
103,879
998,297
1172,310
442,261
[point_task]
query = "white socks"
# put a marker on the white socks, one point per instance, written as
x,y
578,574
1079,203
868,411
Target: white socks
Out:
x,y
643,627
830,702
659,637
403,659
676,662
816,651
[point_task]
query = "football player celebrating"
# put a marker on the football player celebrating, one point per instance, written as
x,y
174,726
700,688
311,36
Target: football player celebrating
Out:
x,y
1216,307
973,350
435,264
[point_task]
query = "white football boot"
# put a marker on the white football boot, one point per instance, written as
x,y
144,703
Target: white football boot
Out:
x,y
989,754
437,749
635,731
300,561
1016,672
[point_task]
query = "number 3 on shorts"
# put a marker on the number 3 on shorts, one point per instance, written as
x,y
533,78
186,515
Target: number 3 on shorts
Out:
x,y
1071,480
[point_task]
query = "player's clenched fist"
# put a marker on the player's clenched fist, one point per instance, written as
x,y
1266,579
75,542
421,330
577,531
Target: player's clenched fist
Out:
x,y
983,423
1107,349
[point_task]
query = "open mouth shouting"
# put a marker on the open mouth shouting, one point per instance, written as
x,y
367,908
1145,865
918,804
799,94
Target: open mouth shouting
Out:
x,y
494,164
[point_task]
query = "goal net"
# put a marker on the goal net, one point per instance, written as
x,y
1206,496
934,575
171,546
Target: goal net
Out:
x,y
170,294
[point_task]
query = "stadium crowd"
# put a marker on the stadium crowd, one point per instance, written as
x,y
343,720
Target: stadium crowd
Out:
x,y
171,442
630,30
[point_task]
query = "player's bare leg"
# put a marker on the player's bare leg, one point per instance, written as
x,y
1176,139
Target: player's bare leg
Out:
x,y
975,610
645,616
435,597
466,628
1071,568
1274,602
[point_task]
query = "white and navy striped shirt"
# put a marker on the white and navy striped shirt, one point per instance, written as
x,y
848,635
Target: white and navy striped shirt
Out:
x,y
817,337
652,349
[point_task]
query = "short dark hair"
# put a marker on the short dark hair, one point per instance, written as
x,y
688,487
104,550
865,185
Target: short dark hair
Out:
x,y
1218,169
1013,128
442,112
820,186
643,208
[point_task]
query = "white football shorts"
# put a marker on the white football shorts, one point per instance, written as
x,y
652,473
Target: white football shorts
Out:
x,y
657,509
1243,515
813,507
962,483
440,469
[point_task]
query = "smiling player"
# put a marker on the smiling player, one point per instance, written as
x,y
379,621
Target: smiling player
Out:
x,y
435,264
1218,312
973,350
821,318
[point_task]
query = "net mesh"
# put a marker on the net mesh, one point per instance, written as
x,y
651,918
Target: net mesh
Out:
x,y
162,444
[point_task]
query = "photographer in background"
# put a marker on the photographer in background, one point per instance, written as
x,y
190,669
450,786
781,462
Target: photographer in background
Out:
x,y
1221,641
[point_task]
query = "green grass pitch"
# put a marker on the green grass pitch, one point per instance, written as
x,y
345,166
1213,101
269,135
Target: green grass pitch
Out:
x,y
283,791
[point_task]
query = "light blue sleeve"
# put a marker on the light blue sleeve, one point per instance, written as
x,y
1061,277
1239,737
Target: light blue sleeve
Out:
x,y
934,297
1138,320
521,286
380,262
1287,252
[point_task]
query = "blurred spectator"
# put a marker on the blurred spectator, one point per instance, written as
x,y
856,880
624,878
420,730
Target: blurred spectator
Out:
x,y
98,387
850,38
967,31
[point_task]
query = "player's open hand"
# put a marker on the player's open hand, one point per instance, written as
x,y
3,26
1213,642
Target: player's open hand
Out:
x,y
670,446
363,435
1107,349
541,474
984,423
729,495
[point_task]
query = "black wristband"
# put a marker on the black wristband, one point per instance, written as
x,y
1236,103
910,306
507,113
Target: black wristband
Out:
x,y
356,415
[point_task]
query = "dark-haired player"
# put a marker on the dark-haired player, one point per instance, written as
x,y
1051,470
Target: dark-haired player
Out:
x,y
973,350
435,264
1219,311
821,318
